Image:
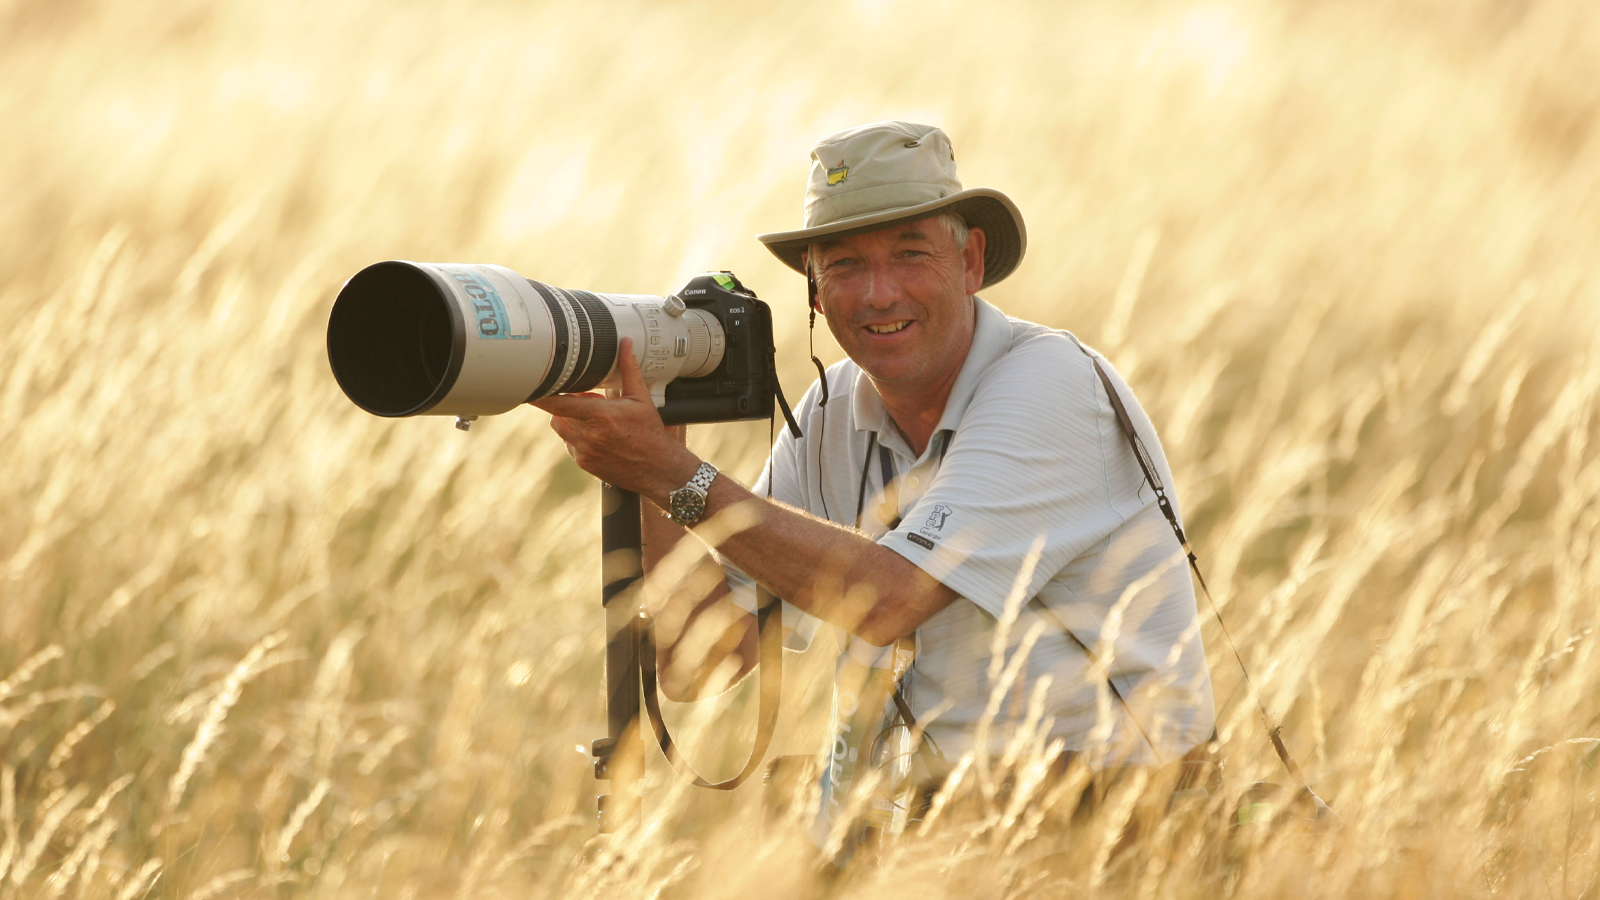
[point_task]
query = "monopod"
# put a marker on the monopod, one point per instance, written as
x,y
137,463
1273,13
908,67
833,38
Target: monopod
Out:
x,y
619,756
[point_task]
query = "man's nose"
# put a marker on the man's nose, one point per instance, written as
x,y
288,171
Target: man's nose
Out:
x,y
882,289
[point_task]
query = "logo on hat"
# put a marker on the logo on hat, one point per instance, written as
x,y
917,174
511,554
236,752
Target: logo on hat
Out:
x,y
838,173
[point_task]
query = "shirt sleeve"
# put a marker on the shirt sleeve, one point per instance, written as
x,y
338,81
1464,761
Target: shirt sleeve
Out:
x,y
1027,467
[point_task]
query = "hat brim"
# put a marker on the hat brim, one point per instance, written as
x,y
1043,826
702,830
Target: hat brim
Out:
x,y
1006,238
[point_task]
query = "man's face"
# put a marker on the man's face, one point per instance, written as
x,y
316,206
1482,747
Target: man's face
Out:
x,y
898,300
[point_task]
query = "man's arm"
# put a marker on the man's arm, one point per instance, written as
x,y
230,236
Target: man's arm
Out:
x,y
879,594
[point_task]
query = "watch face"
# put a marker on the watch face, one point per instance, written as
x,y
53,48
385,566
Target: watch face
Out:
x,y
687,505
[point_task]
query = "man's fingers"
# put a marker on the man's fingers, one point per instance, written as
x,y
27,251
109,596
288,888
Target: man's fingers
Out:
x,y
633,386
572,406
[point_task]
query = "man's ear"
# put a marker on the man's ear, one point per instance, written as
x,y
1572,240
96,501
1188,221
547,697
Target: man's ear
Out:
x,y
972,258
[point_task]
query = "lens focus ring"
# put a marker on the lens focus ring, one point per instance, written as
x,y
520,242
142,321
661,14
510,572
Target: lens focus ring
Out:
x,y
563,345
600,339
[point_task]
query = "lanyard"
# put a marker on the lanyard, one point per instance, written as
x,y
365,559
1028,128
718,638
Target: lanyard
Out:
x,y
886,470
886,467
929,750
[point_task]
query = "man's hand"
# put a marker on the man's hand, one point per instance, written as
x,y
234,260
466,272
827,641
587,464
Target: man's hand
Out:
x,y
621,440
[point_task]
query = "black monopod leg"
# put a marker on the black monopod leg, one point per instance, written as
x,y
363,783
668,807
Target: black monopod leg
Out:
x,y
619,756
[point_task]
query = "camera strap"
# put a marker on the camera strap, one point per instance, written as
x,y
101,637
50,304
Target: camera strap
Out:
x,y
769,667
783,403
1147,466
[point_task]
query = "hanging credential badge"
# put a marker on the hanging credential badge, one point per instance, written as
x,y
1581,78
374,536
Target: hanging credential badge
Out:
x,y
871,747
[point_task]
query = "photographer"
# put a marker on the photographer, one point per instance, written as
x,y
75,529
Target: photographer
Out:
x,y
958,457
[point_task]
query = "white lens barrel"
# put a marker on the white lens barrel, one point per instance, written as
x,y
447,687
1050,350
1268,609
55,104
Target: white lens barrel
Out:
x,y
667,347
408,338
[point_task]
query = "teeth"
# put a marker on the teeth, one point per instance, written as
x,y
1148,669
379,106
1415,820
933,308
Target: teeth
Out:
x,y
890,328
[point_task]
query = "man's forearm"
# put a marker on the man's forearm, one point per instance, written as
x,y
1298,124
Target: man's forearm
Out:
x,y
832,572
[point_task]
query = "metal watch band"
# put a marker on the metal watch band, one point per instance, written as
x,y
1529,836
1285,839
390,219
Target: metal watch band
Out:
x,y
703,477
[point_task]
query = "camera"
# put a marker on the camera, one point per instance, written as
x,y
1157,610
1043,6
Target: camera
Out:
x,y
447,339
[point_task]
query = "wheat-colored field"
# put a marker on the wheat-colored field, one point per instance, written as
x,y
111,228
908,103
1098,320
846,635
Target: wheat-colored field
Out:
x,y
255,642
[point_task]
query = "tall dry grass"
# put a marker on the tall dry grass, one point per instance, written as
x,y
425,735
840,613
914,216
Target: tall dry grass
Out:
x,y
254,642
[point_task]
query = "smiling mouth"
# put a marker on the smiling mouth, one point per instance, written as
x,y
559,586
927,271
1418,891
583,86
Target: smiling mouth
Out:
x,y
889,328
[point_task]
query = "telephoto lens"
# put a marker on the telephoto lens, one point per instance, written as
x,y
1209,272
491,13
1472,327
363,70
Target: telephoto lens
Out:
x,y
408,339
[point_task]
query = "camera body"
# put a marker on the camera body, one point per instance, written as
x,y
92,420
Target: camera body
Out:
x,y
408,338
743,385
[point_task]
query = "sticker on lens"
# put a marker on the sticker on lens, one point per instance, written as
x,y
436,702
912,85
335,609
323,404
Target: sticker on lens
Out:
x,y
490,316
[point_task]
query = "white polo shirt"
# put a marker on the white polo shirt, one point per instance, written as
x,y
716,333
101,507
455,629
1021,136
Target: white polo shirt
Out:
x,y
1028,452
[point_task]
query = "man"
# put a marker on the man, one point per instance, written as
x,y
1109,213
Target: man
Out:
x,y
962,488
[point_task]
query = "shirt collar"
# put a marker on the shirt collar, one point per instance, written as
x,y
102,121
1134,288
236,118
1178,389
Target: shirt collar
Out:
x,y
991,338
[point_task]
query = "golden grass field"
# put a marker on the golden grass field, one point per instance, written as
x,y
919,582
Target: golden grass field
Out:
x,y
257,643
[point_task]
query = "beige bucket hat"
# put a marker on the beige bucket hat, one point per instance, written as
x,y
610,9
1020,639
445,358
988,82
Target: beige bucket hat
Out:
x,y
873,176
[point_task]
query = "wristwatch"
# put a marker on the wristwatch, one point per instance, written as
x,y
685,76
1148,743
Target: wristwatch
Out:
x,y
688,503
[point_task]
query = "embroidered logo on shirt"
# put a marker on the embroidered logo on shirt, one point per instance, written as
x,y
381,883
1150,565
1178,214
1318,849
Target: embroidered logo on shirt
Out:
x,y
937,518
919,539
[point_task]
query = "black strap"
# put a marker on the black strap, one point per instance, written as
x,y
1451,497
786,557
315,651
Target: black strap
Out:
x,y
861,486
1146,465
783,403
769,630
886,473
822,404
1274,730
890,500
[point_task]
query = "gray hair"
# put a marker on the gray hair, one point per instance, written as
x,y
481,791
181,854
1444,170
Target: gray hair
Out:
x,y
958,228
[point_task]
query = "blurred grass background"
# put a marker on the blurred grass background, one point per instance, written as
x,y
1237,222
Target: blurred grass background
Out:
x,y
255,642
